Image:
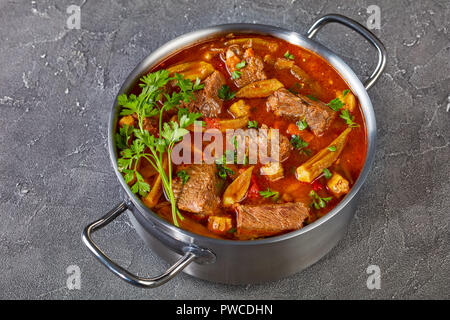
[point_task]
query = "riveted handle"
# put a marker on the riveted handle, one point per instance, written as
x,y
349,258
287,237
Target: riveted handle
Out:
x,y
122,273
359,28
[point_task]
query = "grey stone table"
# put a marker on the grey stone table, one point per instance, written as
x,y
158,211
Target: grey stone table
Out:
x,y
56,89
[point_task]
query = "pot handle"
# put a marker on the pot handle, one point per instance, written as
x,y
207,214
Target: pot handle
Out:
x,y
122,273
359,28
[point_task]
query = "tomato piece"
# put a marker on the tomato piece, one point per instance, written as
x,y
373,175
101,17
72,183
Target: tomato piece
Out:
x,y
293,129
253,191
316,185
303,134
212,123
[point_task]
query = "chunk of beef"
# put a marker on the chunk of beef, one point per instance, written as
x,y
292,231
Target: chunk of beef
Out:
x,y
297,107
201,192
207,100
256,140
255,221
253,69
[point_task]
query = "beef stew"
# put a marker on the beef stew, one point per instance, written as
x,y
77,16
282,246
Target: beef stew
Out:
x,y
250,83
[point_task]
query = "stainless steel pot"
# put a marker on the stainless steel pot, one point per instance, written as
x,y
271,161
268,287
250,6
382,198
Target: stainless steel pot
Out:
x,y
241,262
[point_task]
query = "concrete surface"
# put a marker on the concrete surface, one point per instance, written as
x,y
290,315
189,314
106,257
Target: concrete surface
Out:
x,y
57,86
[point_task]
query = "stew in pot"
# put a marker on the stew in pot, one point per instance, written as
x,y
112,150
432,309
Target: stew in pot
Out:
x,y
238,92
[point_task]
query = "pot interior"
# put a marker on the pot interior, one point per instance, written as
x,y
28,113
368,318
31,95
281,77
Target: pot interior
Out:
x,y
190,39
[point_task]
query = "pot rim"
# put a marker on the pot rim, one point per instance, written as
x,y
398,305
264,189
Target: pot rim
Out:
x,y
186,40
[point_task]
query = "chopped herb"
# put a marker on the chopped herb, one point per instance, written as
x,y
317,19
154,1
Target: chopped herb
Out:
x,y
184,176
240,65
345,114
270,194
318,202
302,125
146,145
300,144
236,74
224,171
253,124
235,143
336,104
327,173
288,55
123,136
345,92
232,230
312,97
332,148
225,93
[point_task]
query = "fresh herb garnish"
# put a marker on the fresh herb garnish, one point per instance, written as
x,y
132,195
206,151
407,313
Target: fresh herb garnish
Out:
x,y
224,171
253,124
270,194
122,138
336,104
327,174
147,146
302,125
345,92
318,202
225,93
240,65
345,114
236,74
232,230
288,55
300,144
312,97
184,176
332,148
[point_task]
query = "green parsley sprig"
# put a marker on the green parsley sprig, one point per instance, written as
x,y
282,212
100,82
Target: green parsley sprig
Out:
x,y
345,114
274,195
154,101
317,201
300,144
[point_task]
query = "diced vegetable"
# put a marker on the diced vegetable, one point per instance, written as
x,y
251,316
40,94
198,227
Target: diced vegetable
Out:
x,y
238,188
259,89
220,225
272,170
234,124
253,191
240,109
338,185
222,125
192,70
284,63
126,120
302,75
312,168
293,129
152,197
146,169
232,60
348,99
255,43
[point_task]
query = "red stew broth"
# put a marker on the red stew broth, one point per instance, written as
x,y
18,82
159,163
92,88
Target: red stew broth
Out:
x,y
329,81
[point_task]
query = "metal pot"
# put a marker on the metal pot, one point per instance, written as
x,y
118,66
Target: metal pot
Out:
x,y
241,262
